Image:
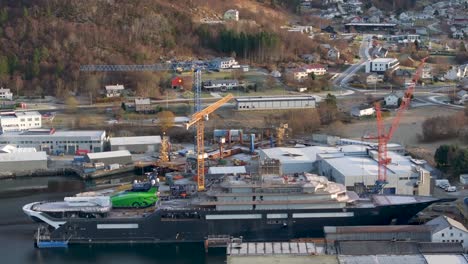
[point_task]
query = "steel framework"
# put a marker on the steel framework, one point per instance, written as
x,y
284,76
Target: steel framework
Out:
x,y
199,119
383,137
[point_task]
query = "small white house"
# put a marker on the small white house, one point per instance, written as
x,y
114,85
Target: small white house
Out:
x,y
392,98
114,90
448,230
317,69
276,74
333,53
457,72
224,63
299,74
363,110
231,14
5,94
372,79
464,179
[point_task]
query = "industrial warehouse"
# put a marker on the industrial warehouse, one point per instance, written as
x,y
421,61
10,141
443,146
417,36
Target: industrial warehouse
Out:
x,y
271,102
22,162
57,142
111,157
136,144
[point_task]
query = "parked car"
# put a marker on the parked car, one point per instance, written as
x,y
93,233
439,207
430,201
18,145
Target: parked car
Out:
x,y
451,189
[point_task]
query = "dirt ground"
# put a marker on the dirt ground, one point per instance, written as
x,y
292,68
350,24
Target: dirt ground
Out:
x,y
408,131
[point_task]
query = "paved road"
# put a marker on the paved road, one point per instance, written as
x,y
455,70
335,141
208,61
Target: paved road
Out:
x,y
341,82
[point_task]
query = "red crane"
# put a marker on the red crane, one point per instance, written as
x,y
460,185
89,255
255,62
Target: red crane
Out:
x,y
383,137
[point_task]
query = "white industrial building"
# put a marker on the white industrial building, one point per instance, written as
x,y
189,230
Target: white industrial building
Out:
x,y
5,94
448,230
351,165
136,144
223,63
403,175
222,85
271,102
56,142
362,110
20,121
22,161
380,65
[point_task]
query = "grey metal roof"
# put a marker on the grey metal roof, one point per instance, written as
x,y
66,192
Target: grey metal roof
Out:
x,y
376,248
93,134
23,156
443,222
395,247
146,140
382,259
433,247
274,98
109,154
227,170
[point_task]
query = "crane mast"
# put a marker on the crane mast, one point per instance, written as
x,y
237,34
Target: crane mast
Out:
x,y
383,137
199,119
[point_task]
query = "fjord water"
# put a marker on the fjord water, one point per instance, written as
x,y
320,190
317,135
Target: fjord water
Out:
x,y
16,240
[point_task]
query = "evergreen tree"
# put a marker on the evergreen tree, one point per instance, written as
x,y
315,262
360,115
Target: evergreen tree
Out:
x,y
462,47
4,71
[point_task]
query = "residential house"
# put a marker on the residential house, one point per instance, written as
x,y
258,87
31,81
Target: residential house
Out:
x,y
448,230
299,74
177,82
276,74
379,52
333,53
429,10
426,72
403,73
373,79
406,16
462,97
380,65
5,94
315,68
393,98
373,19
114,90
223,63
362,110
231,14
457,72
422,31
300,29
143,105
458,34
329,29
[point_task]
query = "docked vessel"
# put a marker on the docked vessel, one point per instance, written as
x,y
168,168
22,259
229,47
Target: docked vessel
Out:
x,y
259,208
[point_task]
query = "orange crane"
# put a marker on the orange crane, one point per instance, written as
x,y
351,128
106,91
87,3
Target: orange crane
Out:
x,y
383,137
199,118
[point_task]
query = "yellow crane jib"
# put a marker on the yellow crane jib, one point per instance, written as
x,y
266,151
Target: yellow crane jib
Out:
x,y
199,118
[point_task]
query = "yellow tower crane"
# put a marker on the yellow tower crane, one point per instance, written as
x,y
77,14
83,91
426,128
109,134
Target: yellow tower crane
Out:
x,y
199,118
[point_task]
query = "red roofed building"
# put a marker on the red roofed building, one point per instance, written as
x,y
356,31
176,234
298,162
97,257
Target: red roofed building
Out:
x,y
177,82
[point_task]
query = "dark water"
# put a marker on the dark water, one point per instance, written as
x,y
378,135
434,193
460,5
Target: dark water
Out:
x,y
16,241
